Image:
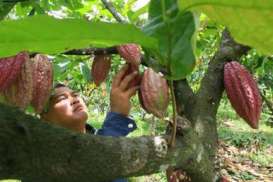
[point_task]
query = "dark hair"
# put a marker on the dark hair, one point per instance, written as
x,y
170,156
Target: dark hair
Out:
x,y
56,85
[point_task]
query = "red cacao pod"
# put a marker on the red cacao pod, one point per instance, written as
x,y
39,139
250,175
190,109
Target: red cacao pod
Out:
x,y
42,82
100,68
130,52
224,179
136,81
10,68
20,92
243,93
154,93
177,176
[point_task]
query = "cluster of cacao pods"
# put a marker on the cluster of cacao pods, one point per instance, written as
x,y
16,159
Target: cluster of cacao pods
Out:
x,y
26,80
243,93
102,63
153,93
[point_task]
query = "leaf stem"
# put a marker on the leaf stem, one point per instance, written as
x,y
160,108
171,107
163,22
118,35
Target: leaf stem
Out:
x,y
173,134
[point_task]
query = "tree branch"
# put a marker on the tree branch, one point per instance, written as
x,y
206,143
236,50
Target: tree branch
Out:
x,y
108,5
90,51
56,154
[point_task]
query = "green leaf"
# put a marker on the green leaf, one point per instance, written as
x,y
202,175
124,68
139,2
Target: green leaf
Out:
x,y
134,15
156,9
45,34
175,32
5,9
183,45
250,22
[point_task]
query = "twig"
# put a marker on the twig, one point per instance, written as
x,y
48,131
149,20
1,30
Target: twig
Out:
x,y
113,11
89,51
173,134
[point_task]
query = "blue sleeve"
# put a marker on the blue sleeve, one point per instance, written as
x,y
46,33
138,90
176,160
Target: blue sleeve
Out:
x,y
116,125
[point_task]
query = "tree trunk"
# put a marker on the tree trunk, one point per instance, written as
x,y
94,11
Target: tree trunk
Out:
x,y
201,108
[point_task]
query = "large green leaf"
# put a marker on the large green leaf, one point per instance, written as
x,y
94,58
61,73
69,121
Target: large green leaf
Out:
x,y
250,22
175,32
48,35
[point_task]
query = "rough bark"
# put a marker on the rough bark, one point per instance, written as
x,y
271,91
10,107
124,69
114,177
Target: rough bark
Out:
x,y
201,108
34,150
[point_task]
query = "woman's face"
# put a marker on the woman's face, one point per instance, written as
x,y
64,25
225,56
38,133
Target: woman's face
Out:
x,y
67,109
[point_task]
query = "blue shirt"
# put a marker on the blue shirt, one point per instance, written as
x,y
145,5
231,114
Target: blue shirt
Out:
x,y
116,125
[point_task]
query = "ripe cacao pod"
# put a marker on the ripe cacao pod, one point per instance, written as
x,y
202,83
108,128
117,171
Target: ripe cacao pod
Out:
x,y
177,175
154,93
130,52
137,79
10,68
42,82
243,93
20,92
100,68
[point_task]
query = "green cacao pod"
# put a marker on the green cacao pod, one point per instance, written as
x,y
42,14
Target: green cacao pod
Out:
x,y
130,52
154,93
10,68
243,93
100,68
20,92
42,82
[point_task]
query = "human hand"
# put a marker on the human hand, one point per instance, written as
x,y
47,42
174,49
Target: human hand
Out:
x,y
121,93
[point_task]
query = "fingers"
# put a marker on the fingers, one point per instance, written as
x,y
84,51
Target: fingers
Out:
x,y
128,78
119,75
132,91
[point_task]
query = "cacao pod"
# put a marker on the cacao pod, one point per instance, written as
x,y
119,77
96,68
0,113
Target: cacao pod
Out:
x,y
177,175
42,82
130,52
154,93
136,81
243,93
10,68
100,68
20,92
224,179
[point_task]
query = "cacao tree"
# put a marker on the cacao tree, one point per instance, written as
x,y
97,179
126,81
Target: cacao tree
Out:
x,y
168,41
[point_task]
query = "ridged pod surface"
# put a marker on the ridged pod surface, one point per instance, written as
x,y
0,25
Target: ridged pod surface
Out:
x,y
130,52
100,68
42,82
10,68
20,92
243,93
154,93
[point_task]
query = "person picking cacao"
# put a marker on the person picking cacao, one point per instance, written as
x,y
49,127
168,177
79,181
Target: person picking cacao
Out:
x,y
67,109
